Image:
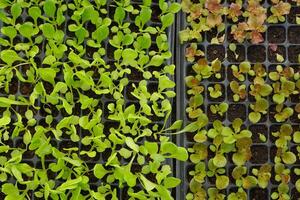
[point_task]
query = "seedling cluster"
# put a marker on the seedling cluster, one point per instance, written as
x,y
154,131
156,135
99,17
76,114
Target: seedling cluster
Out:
x,y
86,98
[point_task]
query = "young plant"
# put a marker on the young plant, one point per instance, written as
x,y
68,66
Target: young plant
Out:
x,y
219,109
283,113
253,27
215,91
239,91
279,9
259,107
192,52
242,70
284,83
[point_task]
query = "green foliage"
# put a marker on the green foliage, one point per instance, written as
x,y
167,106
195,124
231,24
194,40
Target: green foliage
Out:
x,y
66,71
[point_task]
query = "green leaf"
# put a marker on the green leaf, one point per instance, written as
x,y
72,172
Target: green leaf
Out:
x,y
174,8
4,3
219,160
278,98
131,144
4,149
289,158
167,20
296,137
49,8
16,173
176,125
99,171
10,31
298,185
26,29
11,191
249,181
279,58
16,10
6,102
76,163
6,118
47,74
49,60
254,117
145,15
119,15
69,184
10,56
181,154
151,147
148,185
129,54
164,83
192,127
27,137
156,61
34,12
171,182
101,33
222,182
48,30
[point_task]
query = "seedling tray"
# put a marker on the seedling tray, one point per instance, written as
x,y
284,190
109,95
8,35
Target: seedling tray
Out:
x,y
284,36
19,88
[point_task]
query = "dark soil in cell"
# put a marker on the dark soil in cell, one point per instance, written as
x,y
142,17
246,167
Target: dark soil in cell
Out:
x,y
256,53
276,34
128,91
223,75
90,174
12,88
108,125
236,111
106,110
212,117
293,13
238,56
272,113
259,154
294,118
213,34
90,51
293,52
258,194
215,51
230,76
272,55
294,34
110,51
152,87
67,144
26,88
48,87
256,129
294,150
295,195
294,177
156,12
48,107
135,75
27,154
